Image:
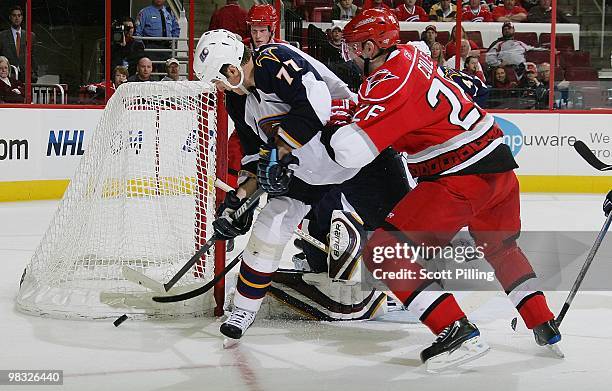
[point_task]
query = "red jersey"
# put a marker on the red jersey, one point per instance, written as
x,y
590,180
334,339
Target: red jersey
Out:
x,y
417,14
500,11
481,15
231,17
408,104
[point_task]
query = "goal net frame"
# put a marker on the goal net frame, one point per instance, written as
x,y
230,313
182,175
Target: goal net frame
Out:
x,y
190,114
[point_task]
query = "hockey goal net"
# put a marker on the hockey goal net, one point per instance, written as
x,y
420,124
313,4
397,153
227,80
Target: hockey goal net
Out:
x,y
143,196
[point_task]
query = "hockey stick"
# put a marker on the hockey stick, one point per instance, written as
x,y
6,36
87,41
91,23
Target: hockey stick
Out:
x,y
141,279
584,270
588,155
204,288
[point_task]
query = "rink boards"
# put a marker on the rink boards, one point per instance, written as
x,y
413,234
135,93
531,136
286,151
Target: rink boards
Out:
x,y
41,148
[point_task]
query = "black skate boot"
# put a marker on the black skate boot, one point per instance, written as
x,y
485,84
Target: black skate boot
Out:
x,y
455,345
236,325
547,334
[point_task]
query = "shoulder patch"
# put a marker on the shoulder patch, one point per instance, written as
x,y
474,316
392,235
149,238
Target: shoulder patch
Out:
x,y
267,54
389,80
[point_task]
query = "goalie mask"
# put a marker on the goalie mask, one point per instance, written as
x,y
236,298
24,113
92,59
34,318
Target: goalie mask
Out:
x,y
215,49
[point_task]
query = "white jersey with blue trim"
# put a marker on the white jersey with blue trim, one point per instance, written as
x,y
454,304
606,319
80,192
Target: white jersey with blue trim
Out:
x,y
292,97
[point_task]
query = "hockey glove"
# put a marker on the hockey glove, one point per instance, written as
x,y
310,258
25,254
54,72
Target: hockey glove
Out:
x,y
342,111
607,206
227,227
274,174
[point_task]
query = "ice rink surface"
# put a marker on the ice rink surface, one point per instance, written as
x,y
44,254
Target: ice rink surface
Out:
x,y
282,355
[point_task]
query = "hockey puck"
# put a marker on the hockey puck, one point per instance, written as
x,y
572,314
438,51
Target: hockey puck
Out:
x,y
513,324
120,320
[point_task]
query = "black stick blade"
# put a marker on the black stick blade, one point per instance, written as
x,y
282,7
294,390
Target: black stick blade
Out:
x,y
588,155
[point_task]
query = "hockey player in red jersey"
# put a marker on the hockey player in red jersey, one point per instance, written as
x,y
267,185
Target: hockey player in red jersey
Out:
x,y
261,22
464,171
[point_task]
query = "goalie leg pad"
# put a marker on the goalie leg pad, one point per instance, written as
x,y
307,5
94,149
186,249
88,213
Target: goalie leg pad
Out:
x,y
315,296
347,239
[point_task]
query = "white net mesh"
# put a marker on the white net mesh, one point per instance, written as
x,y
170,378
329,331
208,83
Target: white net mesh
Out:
x,y
142,197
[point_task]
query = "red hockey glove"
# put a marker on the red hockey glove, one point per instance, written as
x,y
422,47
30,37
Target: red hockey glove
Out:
x,y
342,111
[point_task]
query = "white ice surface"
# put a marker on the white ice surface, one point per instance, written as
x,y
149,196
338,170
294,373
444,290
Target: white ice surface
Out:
x,y
275,355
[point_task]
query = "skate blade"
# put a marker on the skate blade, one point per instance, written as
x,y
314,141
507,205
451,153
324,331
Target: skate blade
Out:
x,y
229,343
468,351
556,350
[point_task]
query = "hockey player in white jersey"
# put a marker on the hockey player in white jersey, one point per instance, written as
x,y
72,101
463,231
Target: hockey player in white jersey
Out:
x,y
288,100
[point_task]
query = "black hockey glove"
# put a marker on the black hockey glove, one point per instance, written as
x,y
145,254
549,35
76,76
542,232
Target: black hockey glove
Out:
x,y
225,226
607,206
274,174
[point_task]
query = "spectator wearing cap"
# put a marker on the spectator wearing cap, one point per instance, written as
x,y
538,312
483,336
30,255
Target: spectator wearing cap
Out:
x,y
230,17
430,35
443,11
541,13
344,10
172,71
476,12
509,12
530,78
506,50
410,12
144,68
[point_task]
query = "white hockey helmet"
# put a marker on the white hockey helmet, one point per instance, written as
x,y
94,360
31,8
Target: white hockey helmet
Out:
x,y
215,49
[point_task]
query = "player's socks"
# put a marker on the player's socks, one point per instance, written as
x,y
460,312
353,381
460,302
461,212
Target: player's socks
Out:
x,y
457,344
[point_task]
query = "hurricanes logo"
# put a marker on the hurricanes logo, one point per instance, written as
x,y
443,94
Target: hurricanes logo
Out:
x,y
377,78
266,54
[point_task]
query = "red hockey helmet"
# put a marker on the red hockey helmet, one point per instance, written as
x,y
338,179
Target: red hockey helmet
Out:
x,y
262,15
378,25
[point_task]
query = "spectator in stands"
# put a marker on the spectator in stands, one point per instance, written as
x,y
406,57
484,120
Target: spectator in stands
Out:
x,y
344,10
506,50
464,52
410,12
157,20
472,67
443,11
437,53
501,79
367,4
529,82
172,71
430,35
126,51
509,12
542,91
120,76
476,12
13,43
230,17
11,89
335,38
450,50
143,71
541,13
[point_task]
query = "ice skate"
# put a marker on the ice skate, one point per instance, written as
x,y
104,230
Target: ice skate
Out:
x,y
455,345
547,334
236,325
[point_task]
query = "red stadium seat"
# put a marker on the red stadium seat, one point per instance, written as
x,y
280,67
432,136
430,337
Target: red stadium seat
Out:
x,y
443,37
475,36
563,41
411,35
321,14
576,58
530,38
581,74
538,57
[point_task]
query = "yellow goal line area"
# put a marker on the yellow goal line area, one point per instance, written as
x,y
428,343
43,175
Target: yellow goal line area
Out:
x,y
169,186
109,188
